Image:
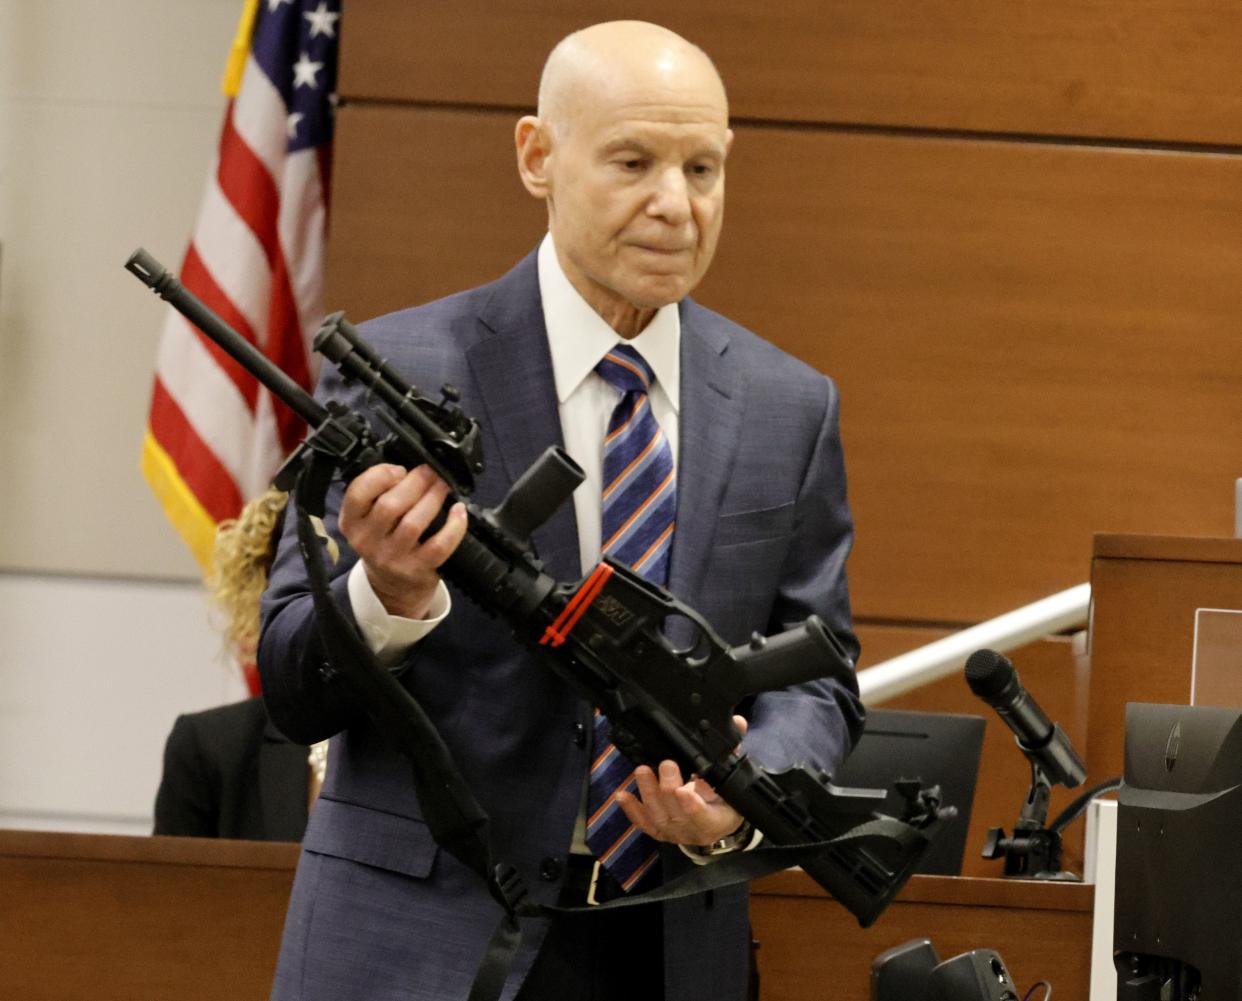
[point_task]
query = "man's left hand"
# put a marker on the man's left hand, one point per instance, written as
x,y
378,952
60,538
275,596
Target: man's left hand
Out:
x,y
668,808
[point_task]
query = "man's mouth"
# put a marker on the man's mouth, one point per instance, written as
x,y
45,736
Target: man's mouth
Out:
x,y
656,249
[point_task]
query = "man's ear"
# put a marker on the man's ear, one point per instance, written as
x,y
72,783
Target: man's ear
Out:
x,y
534,146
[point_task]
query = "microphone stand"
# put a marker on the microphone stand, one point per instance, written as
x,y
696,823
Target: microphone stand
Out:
x,y
1034,851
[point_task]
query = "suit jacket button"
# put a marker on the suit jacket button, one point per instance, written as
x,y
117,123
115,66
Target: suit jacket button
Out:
x,y
550,869
580,735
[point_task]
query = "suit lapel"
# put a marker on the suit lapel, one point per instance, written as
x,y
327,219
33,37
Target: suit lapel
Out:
x,y
512,368
711,406
283,776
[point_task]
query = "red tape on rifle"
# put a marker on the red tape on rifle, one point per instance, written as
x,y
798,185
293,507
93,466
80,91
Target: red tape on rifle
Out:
x,y
563,625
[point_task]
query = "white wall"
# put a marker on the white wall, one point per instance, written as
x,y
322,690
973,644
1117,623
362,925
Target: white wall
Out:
x,y
109,116
95,672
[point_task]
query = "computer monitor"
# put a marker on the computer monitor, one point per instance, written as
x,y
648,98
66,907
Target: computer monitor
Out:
x,y
938,749
1177,925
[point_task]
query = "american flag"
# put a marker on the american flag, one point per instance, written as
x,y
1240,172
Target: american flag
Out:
x,y
215,436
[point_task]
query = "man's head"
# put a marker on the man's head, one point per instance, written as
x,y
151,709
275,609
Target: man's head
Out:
x,y
628,149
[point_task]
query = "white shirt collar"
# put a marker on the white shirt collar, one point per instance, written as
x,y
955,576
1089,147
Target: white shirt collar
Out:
x,y
578,337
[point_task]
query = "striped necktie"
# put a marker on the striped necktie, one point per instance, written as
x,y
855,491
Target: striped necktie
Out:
x,y
638,514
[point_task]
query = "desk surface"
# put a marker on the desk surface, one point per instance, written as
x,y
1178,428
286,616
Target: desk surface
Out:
x,y
156,850
1191,549
1028,894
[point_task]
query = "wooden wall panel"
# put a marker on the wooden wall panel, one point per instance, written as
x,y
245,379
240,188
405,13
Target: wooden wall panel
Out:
x,y
140,919
1143,626
1155,69
424,204
880,642
1033,342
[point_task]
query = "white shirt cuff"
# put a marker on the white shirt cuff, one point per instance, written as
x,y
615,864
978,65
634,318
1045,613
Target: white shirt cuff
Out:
x,y
390,636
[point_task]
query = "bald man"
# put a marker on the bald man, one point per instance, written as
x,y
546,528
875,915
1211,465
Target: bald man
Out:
x,y
628,152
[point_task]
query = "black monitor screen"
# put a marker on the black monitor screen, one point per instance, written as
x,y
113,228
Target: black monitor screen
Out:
x,y
936,748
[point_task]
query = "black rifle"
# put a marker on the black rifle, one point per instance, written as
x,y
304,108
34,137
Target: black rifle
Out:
x,y
603,635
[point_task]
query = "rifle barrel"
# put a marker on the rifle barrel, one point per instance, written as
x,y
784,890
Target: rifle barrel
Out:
x,y
164,283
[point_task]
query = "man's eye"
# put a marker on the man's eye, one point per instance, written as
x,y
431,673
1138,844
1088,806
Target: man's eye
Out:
x,y
633,163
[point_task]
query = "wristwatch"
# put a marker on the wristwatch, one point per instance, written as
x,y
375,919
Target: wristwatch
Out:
x,y
729,843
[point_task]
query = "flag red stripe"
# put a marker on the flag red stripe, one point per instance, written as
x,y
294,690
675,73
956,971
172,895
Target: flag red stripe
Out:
x,y
250,189
285,344
197,464
196,277
286,348
246,183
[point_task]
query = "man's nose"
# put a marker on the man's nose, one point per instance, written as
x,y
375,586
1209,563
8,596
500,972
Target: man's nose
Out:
x,y
671,198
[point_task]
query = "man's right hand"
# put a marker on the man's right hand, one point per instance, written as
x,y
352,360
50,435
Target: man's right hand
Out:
x,y
384,514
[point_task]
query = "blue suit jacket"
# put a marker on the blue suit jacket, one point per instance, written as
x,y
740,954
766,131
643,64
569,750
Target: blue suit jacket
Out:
x,y
763,531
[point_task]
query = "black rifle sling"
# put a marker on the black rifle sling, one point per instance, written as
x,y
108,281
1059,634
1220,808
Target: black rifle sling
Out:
x,y
743,866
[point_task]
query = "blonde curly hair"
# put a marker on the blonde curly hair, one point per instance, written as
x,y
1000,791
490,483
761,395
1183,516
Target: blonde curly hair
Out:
x,y
244,549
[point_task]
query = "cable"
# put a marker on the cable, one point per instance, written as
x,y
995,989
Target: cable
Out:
x,y
1039,983
1071,812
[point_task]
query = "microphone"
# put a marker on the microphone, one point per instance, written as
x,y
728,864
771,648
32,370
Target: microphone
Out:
x,y
993,678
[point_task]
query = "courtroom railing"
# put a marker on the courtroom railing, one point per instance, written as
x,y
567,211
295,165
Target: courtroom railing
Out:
x,y
897,675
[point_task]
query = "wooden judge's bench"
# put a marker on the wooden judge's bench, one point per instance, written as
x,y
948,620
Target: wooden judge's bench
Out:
x,y
106,918
151,919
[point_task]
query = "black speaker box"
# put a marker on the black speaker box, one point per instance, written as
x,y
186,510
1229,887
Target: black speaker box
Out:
x,y
978,976
903,973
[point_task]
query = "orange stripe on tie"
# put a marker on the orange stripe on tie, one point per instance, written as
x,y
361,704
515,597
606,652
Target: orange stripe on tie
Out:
x,y
638,564
603,757
638,405
640,872
603,859
645,504
636,460
603,807
627,364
